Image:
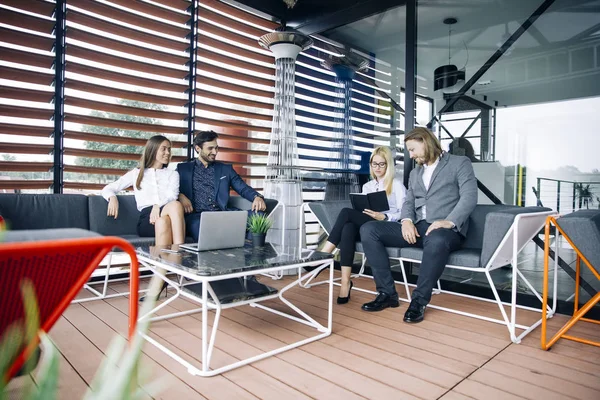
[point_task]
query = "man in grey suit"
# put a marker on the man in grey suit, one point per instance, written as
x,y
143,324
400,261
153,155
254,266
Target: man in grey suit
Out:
x,y
442,193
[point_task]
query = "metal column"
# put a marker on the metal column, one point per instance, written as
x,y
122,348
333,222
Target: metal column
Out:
x,y
192,79
59,94
411,74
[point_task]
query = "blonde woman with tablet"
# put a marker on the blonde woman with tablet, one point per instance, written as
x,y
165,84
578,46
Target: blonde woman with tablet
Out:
x,y
345,231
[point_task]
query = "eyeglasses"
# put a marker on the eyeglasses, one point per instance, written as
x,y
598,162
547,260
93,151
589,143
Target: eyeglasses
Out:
x,y
380,165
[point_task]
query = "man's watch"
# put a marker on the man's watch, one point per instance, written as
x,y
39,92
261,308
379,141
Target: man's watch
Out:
x,y
385,217
259,195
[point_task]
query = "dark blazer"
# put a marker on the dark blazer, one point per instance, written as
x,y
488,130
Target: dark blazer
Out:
x,y
225,178
452,193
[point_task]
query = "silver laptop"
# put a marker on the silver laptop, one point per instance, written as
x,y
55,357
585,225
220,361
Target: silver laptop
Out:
x,y
220,230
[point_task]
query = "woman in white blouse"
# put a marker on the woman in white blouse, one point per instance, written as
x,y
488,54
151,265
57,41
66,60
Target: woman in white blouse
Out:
x,y
156,189
345,231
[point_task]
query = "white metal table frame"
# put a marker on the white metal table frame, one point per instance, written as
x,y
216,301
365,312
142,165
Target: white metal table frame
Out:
x,y
214,304
103,294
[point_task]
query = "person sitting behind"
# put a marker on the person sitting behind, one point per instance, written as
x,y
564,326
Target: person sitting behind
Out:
x,y
156,189
205,183
462,147
345,231
442,194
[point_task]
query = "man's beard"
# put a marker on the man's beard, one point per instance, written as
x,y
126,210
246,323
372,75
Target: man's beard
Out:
x,y
207,158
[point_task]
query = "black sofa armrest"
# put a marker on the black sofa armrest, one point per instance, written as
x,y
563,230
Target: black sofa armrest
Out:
x,y
125,224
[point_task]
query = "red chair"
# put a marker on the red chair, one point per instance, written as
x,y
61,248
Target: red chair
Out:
x,y
57,270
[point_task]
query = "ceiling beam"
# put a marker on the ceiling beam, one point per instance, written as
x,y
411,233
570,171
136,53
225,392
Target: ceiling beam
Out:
x,y
537,35
274,10
344,16
492,60
584,34
586,9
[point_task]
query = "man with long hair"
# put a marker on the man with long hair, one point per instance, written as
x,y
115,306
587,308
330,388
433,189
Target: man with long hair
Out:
x,y
442,194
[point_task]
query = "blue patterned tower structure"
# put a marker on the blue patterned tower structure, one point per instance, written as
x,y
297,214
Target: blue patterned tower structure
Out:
x,y
282,181
344,179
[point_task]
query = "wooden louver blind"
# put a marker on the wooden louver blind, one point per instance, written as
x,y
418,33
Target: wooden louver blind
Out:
x,y
235,85
26,65
126,80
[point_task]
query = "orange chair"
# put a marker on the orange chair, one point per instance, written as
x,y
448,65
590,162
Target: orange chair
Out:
x,y
581,229
57,270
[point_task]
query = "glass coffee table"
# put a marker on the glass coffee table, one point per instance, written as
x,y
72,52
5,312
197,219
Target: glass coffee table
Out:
x,y
222,279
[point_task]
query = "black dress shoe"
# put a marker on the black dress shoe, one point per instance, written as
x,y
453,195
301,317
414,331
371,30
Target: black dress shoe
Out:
x,y
382,301
163,288
414,313
344,300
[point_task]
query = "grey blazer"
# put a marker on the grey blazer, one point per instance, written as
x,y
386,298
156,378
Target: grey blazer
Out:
x,y
452,193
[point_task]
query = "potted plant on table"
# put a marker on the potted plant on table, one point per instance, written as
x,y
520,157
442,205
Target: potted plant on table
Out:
x,y
258,225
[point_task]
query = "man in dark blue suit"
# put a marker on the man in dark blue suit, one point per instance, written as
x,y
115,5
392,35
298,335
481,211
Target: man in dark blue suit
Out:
x,y
204,183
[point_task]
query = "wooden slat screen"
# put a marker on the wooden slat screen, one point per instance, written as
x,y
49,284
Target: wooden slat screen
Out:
x,y
235,85
316,116
126,80
26,95
316,111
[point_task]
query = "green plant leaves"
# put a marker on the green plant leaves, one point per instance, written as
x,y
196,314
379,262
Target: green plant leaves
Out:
x,y
13,342
259,223
117,377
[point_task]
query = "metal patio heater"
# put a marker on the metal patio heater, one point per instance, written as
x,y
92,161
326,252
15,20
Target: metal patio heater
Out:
x,y
282,181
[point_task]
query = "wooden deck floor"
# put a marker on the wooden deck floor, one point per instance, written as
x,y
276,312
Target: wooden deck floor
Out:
x,y
369,355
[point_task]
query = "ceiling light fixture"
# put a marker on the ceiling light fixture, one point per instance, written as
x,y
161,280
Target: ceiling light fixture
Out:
x,y
290,3
448,76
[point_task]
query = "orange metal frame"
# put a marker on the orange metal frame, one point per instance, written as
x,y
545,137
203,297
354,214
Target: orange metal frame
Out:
x,y
101,245
578,313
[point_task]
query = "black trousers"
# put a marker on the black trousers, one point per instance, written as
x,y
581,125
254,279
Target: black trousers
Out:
x,y
377,235
345,233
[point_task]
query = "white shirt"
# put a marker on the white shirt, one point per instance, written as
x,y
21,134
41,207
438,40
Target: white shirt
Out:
x,y
427,174
395,199
158,186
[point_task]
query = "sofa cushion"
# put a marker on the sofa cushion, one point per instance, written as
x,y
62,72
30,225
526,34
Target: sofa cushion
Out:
x,y
328,211
30,235
497,224
125,224
463,257
240,203
583,228
137,241
44,211
474,239
393,252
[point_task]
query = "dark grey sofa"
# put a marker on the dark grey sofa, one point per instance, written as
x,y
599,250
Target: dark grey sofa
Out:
x,y
497,233
487,226
34,217
55,216
30,216
583,228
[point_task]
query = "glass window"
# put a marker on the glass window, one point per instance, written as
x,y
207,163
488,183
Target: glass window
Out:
x,y
529,121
